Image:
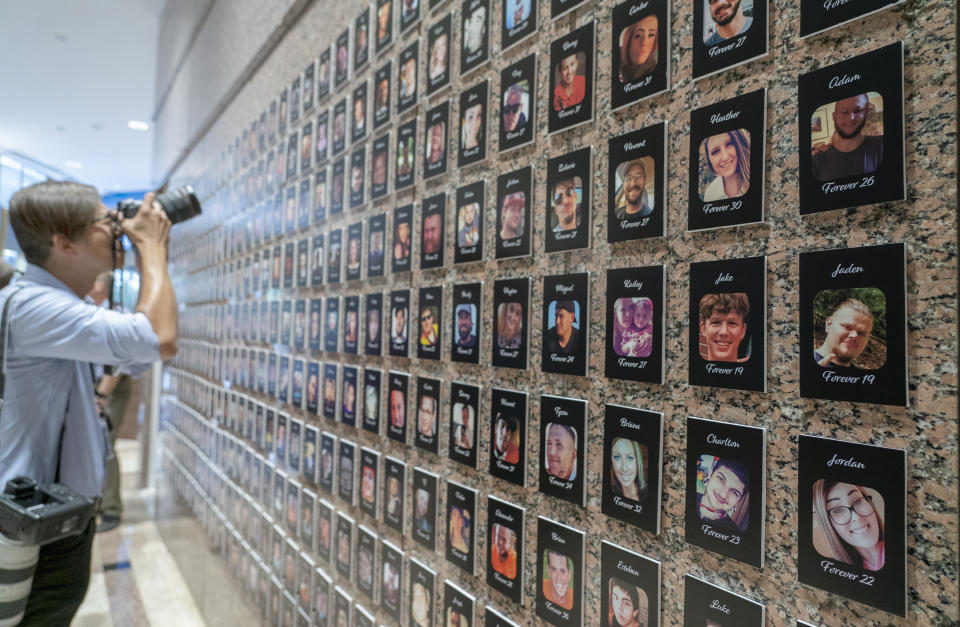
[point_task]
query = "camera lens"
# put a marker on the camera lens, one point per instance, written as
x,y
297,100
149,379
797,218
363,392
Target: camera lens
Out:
x,y
180,204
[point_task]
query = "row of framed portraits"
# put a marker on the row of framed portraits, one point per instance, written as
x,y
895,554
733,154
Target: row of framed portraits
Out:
x,y
852,335
852,539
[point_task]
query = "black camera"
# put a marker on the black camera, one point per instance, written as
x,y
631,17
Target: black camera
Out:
x,y
36,515
179,204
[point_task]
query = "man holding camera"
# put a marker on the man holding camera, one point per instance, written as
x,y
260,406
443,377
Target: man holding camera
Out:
x,y
50,430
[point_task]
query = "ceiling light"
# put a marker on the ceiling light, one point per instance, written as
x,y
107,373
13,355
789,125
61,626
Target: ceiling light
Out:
x,y
75,164
137,125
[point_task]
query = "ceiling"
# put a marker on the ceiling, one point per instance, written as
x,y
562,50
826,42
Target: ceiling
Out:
x,y
72,74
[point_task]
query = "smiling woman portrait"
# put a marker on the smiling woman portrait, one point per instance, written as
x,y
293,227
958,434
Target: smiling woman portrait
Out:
x,y
725,165
852,527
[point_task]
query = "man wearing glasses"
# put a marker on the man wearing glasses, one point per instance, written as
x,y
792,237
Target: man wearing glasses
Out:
x,y
514,117
850,153
566,205
50,429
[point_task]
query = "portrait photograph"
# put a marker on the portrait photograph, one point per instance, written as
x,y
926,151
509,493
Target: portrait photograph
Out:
x,y
391,585
421,599
855,136
369,482
514,201
429,319
518,89
566,324
402,238
358,117
851,513
406,155
306,149
351,324
409,13
313,387
632,454
635,308
308,504
465,344
464,415
853,325
271,133
330,372
315,324
324,66
470,202
475,44
505,525
346,471
571,79
320,200
710,605
334,255
511,298
508,435
322,606
432,228
640,58
343,546
394,492
461,520
435,140
376,245
726,165
473,125
331,332
728,299
371,401
630,588
517,22
407,70
563,448
439,41
340,121
358,165
373,324
337,185
292,511
426,436
384,24
816,18
425,485
727,33
303,272
292,151
361,39
294,108
458,606
560,574
342,604
341,68
568,201
311,437
308,87
399,312
354,257
327,469
296,386
381,94
726,488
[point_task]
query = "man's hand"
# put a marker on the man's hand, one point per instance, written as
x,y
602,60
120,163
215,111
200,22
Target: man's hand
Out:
x,y
150,228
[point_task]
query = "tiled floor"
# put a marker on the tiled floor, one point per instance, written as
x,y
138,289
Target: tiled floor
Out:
x,y
156,568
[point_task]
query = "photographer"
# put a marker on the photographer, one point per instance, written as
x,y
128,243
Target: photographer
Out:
x,y
49,425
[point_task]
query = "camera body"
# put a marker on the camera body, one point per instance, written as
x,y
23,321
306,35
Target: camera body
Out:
x,y
179,204
36,515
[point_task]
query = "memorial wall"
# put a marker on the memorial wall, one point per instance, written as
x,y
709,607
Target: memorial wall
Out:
x,y
576,312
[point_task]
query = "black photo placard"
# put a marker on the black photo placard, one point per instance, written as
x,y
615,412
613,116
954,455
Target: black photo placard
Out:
x,y
518,21
422,590
323,74
637,183
560,573
402,238
566,321
334,255
508,435
568,202
398,383
316,324
473,122
632,457
853,325
332,329
381,95
514,202
563,446
505,525
640,53
296,384
358,118
379,166
354,262
339,126
433,212
346,460
629,586
475,39
727,161
816,17
435,140
461,525
465,342
726,488
707,604
406,155
282,115
409,14
439,43
361,39
429,322
376,244
290,208
343,546
511,301
407,70
399,325
392,581
342,602
330,391
303,264
427,436
726,35
518,100
562,7
395,486
371,400
320,200
425,485
384,24
369,482
572,70
458,605
294,102
351,324
313,388
491,617
851,132
471,202
327,470
306,150
852,518
322,145
728,328
373,324
464,417
358,168
636,302
337,184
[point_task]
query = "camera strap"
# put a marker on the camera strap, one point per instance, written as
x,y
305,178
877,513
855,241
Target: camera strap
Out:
x,y
4,332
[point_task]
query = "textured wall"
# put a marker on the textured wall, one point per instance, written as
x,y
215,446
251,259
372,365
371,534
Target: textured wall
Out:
x,y
926,222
